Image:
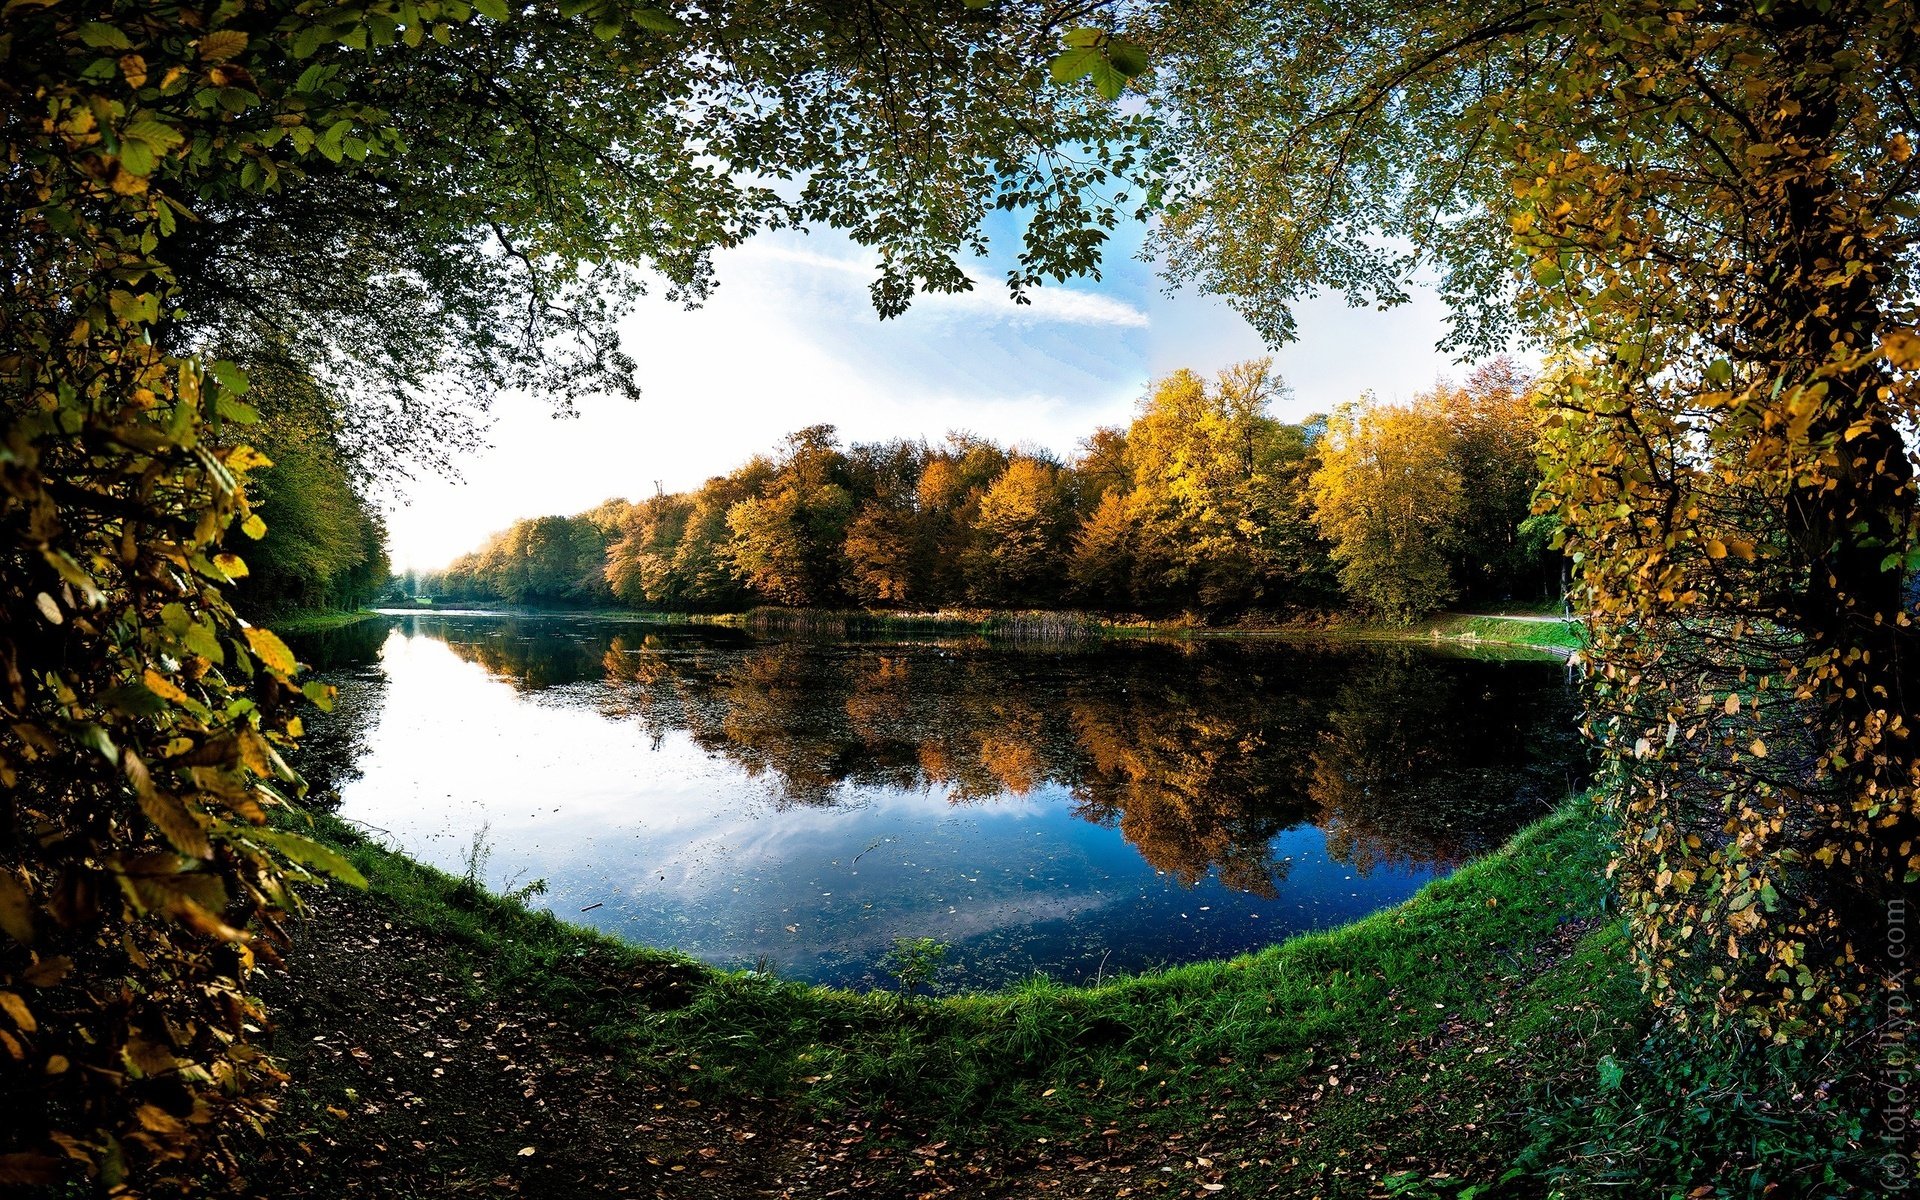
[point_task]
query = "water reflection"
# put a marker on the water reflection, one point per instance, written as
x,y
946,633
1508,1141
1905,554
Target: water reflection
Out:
x,y
1127,803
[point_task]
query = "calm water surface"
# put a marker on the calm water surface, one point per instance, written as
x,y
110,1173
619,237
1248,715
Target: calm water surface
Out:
x,y
797,805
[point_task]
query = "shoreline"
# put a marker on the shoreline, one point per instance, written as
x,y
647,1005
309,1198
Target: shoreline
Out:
x,y
1245,1071
1559,636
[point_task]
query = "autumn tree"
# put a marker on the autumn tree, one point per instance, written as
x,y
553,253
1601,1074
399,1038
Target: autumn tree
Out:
x,y
1712,206
1102,563
788,544
1388,496
955,478
1217,493
1019,535
886,547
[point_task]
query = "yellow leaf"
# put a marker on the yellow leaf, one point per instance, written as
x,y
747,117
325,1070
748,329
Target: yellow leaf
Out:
x,y
254,527
1758,749
17,1009
163,687
232,565
171,816
1716,548
269,649
222,44
1733,703
1902,349
246,458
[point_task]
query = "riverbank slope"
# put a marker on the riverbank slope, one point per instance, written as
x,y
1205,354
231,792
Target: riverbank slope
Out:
x,y
443,1041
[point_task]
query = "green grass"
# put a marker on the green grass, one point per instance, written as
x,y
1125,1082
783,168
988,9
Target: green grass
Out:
x,y
1560,635
317,621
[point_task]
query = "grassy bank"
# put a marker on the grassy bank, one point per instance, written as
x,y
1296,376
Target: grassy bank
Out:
x,y
1411,1041
1557,634
318,621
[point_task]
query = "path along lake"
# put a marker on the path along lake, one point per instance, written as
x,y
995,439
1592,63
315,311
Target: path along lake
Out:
x,y
796,804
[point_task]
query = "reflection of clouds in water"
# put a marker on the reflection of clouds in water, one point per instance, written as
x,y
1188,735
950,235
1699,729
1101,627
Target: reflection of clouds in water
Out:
x,y
867,941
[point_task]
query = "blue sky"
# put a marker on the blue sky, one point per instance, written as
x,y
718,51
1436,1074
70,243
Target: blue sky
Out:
x,y
790,339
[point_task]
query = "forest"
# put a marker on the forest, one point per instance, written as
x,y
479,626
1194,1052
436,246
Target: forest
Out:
x,y
1205,504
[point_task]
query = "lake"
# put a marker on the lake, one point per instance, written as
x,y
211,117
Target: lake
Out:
x,y
796,805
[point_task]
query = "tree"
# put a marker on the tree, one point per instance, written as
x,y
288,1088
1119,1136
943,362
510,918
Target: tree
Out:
x,y
956,476
1102,565
788,544
1217,493
1388,497
1495,452
1018,536
1713,206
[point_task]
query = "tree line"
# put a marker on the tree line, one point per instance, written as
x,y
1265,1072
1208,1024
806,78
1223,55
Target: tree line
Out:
x,y
1206,503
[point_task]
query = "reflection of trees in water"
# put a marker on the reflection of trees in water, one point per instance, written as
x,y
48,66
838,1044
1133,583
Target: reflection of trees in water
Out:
x,y
1417,764
1190,761
329,754
1199,754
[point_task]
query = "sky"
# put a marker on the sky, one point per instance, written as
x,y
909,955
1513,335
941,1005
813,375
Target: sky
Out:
x,y
790,339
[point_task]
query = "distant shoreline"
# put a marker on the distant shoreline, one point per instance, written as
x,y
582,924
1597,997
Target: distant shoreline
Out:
x,y
1547,633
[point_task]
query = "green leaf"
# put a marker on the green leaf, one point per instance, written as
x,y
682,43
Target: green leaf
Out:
x,y
157,134
329,142
495,10
136,158
103,37
231,377
308,852
656,20
1084,37
1107,80
1074,64
99,740
135,699
302,45
201,640
1128,58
